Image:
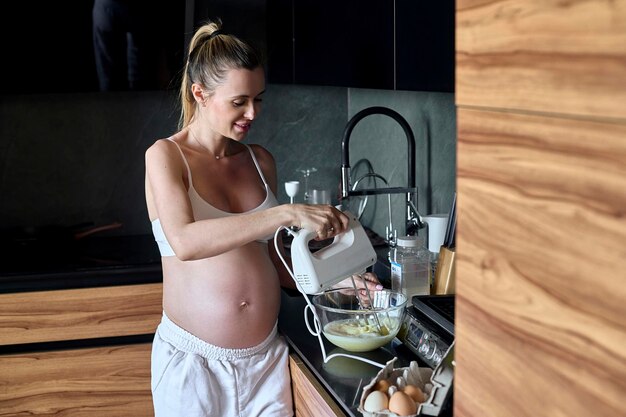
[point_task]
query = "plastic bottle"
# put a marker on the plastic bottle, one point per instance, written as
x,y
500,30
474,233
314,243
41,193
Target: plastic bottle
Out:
x,y
410,266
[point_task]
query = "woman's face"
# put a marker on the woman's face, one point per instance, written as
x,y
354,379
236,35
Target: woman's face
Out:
x,y
235,103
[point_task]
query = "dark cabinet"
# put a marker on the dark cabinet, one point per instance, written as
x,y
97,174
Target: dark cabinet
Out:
x,y
344,43
245,19
382,44
425,45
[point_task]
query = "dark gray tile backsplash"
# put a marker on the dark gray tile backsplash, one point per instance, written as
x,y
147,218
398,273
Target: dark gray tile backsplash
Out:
x,y
71,159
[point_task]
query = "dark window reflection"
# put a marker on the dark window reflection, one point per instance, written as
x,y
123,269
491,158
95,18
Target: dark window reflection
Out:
x,y
80,46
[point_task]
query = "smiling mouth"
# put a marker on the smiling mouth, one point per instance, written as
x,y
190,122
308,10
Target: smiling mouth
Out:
x,y
244,126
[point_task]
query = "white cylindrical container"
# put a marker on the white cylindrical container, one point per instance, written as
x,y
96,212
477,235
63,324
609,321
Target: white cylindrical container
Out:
x,y
437,224
410,266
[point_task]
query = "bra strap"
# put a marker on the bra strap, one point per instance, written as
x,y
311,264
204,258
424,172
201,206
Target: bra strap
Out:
x,y
256,163
184,160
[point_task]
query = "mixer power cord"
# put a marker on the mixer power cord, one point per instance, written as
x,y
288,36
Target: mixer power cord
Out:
x,y
317,330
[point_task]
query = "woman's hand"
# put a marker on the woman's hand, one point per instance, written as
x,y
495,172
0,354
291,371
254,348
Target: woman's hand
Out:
x,y
367,279
365,283
324,219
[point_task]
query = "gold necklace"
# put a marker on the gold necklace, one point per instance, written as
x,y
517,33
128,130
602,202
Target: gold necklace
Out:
x,y
204,147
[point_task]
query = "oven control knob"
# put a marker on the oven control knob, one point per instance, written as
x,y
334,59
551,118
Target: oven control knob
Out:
x,y
438,356
432,348
424,346
428,349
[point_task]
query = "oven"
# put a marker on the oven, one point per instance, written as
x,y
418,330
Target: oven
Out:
x,y
428,328
428,333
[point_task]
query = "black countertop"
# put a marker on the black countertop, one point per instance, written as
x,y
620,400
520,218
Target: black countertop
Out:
x,y
38,265
343,377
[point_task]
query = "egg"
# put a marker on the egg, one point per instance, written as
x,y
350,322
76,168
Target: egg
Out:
x,y
376,401
382,385
401,404
415,393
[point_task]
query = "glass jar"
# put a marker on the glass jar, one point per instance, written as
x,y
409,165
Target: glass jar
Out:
x,y
410,266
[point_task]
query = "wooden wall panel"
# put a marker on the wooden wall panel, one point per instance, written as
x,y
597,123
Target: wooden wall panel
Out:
x,y
80,313
541,254
541,244
108,381
542,55
541,294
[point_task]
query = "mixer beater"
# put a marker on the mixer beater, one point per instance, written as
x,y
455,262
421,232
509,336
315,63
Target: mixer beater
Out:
x,y
349,255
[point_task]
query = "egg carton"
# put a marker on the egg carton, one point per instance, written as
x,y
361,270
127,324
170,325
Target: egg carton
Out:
x,y
435,384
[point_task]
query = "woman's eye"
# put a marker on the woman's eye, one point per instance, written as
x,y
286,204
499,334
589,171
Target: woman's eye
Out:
x,y
238,103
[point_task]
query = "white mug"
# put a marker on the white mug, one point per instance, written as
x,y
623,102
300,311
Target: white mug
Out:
x,y
437,224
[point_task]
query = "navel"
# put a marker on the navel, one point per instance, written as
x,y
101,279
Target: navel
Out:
x,y
243,305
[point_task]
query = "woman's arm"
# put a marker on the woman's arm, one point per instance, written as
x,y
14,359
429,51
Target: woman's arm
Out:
x,y
191,239
368,279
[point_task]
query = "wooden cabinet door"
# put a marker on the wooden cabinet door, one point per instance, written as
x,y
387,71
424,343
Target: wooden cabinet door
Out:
x,y
84,313
310,398
556,57
540,302
109,381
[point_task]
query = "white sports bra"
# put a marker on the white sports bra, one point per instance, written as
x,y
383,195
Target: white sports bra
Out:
x,y
203,210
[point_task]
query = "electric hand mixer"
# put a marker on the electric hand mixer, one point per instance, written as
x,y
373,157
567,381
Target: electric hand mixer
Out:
x,y
350,253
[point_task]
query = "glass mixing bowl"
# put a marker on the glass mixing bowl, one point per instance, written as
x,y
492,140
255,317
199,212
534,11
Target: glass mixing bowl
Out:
x,y
350,321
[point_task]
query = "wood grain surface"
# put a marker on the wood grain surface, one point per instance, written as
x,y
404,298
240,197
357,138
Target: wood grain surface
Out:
x,y
108,381
541,251
542,55
79,313
310,398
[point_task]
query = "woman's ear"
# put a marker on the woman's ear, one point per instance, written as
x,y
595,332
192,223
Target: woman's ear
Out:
x,y
198,93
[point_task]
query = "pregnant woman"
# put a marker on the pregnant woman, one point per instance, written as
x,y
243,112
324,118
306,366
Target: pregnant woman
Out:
x,y
211,200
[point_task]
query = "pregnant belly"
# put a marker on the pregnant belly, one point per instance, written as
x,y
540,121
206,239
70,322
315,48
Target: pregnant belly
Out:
x,y
228,301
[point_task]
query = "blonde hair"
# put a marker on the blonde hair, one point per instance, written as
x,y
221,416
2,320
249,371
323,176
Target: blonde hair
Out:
x,y
211,55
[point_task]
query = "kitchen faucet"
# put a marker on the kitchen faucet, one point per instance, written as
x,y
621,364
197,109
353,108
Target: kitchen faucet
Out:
x,y
413,218
389,231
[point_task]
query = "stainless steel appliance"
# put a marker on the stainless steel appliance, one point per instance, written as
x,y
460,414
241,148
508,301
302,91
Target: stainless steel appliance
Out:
x,y
428,328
